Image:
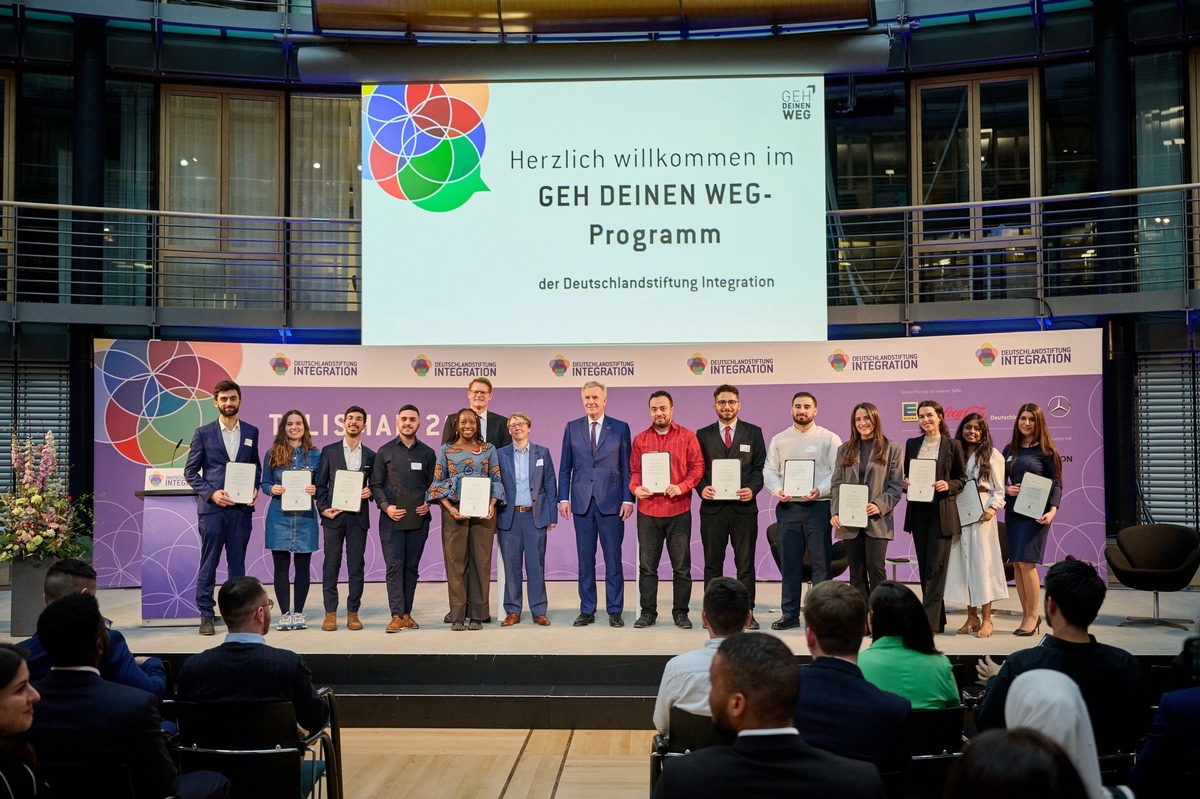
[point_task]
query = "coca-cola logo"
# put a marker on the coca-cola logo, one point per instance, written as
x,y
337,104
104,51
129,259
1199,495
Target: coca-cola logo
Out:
x,y
958,413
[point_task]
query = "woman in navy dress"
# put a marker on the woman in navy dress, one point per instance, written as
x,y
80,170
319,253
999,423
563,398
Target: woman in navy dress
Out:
x,y
1031,451
291,533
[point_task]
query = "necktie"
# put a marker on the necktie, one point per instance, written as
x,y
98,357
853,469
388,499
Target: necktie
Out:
x,y
728,438
595,436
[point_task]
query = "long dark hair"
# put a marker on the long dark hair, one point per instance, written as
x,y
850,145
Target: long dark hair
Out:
x,y
880,453
983,452
281,448
11,658
937,407
896,611
1041,436
1002,764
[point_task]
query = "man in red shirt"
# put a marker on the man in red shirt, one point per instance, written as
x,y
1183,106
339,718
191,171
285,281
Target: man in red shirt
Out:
x,y
663,487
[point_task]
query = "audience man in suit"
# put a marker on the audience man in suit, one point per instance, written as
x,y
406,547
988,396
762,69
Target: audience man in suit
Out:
x,y
85,722
70,577
492,426
222,523
1109,678
529,512
754,687
348,530
593,484
685,681
244,668
1170,754
838,710
726,522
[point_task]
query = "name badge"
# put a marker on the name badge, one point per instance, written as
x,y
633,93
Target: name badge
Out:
x,y
539,462
744,448
248,443
416,467
811,448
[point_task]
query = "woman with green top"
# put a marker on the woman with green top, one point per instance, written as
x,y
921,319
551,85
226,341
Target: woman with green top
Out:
x,y
902,658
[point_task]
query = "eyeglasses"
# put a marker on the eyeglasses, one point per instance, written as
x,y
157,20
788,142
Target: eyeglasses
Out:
x,y
724,403
517,423
479,393
270,603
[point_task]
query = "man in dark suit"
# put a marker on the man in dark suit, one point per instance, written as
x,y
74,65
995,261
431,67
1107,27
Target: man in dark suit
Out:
x,y
838,710
400,476
84,721
731,521
244,668
222,523
593,483
344,529
492,426
529,511
754,686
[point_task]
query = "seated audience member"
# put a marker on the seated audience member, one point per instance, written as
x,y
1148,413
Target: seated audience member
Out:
x,y
84,721
18,773
1171,752
838,710
244,668
1049,701
902,658
1109,678
754,686
68,577
1011,764
685,682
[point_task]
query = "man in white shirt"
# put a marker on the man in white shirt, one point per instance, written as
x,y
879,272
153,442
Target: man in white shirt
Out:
x,y
685,681
803,520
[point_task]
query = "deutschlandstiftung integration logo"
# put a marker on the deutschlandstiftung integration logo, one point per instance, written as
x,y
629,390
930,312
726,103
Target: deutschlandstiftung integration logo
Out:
x,y
421,365
987,354
156,479
697,363
280,364
559,365
838,360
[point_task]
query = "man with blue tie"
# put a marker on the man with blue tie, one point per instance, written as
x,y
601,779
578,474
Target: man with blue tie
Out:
x,y
593,484
222,523
531,492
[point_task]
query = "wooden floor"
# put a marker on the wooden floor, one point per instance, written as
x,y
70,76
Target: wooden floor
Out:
x,y
490,764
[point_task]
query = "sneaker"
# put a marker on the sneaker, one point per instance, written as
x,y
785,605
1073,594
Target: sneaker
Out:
x,y
644,621
285,622
457,626
475,624
299,622
682,621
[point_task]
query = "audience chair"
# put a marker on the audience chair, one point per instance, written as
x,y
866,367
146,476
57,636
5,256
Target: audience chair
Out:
x,y
837,565
689,732
257,747
936,741
109,780
1155,557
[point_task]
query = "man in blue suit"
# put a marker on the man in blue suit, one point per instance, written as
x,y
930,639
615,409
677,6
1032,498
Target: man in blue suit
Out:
x,y
223,523
531,494
593,482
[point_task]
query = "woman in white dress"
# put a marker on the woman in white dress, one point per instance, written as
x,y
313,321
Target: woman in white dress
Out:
x,y
975,575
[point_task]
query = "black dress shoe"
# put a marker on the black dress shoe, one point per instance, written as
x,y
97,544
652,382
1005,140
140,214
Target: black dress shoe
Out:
x,y
615,620
682,621
584,619
645,620
786,623
447,619
207,626
752,624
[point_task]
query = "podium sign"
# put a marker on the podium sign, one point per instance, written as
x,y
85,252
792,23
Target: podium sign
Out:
x,y
158,479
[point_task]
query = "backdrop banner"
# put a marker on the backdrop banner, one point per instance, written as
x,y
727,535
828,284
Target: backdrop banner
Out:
x,y
151,395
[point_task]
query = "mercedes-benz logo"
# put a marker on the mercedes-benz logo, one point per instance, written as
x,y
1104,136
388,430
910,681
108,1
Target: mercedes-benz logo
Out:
x,y
1059,406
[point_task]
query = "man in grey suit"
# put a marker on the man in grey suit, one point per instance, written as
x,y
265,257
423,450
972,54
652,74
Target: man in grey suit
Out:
x,y
529,511
731,521
344,529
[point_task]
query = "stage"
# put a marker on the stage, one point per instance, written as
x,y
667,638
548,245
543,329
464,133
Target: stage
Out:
x,y
596,677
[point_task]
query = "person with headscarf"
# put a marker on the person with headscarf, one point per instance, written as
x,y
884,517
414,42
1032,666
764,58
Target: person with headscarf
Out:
x,y
1049,701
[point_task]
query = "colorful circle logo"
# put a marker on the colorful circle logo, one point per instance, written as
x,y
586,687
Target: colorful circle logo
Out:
x,y
559,365
280,364
838,360
697,363
423,142
987,354
154,394
156,479
421,365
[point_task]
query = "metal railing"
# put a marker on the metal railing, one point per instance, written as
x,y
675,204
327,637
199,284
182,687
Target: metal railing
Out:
x,y
1140,241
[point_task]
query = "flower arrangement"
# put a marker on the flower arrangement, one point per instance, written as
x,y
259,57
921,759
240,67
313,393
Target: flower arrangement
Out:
x,y
39,519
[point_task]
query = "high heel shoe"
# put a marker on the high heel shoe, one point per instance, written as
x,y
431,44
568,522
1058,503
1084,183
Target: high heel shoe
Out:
x,y
1028,633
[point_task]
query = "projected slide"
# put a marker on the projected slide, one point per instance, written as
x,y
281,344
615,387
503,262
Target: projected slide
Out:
x,y
606,212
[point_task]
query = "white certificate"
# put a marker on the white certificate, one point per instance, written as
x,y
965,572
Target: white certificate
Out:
x,y
474,496
970,506
656,471
1034,496
799,478
726,477
852,505
347,490
922,474
294,481
239,482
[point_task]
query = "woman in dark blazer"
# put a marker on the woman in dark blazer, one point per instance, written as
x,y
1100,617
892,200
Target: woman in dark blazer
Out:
x,y
868,458
934,524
